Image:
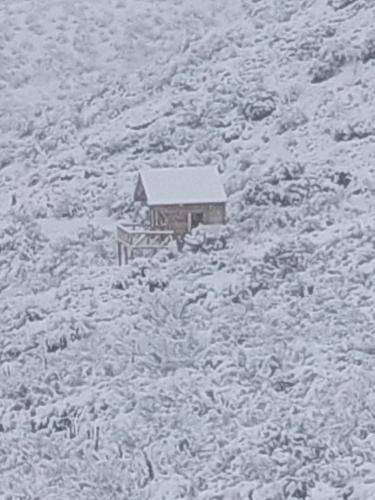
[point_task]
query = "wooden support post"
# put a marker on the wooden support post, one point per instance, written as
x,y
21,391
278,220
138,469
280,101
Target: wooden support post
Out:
x,y
119,251
131,240
189,222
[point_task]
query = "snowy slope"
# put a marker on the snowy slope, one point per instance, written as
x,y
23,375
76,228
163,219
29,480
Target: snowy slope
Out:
x,y
243,366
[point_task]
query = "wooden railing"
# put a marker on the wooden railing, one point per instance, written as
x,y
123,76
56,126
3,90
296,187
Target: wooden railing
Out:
x,y
131,237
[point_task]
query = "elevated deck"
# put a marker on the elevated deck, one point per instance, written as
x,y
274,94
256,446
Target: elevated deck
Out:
x,y
132,237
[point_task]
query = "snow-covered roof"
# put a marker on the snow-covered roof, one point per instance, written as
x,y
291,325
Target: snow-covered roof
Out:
x,y
182,186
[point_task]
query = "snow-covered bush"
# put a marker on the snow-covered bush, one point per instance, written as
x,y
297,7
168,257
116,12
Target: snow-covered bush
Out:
x,y
259,105
68,206
340,4
285,10
207,239
284,193
161,138
342,178
368,48
291,119
311,41
350,131
329,62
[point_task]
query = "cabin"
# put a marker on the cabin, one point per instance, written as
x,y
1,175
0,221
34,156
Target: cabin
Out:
x,y
179,199
182,198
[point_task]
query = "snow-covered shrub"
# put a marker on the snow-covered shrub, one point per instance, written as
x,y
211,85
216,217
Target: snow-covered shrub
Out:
x,y
232,133
208,239
284,193
6,159
63,256
193,115
259,105
24,235
156,283
342,178
94,150
119,203
329,62
288,258
291,119
140,269
160,138
69,206
368,48
39,211
285,9
311,41
25,128
350,131
340,4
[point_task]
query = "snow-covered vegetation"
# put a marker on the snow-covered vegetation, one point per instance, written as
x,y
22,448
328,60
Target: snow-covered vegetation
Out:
x,y
241,367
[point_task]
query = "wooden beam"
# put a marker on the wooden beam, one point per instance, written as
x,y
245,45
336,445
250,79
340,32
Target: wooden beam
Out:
x,y
119,252
147,247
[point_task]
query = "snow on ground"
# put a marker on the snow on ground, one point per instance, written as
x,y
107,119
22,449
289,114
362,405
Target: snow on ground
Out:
x,y
241,367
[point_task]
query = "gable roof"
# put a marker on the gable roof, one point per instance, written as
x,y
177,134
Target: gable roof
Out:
x,y
182,186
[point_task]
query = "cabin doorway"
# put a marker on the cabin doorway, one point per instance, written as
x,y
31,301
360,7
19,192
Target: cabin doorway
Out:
x,y
194,219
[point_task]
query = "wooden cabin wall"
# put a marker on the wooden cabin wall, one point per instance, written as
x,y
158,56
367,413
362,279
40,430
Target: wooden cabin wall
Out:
x,y
213,213
176,216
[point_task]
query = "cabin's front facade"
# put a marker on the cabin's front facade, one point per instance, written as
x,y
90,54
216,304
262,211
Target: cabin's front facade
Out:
x,y
181,219
180,199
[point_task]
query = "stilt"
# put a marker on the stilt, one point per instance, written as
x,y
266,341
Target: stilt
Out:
x,y
126,255
119,251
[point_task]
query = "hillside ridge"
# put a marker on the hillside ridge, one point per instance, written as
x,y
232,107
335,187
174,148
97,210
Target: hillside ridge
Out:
x,y
241,367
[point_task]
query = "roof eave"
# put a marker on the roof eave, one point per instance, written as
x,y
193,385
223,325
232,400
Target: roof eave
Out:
x,y
185,203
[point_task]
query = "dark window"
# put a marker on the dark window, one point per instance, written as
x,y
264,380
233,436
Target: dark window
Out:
x,y
161,220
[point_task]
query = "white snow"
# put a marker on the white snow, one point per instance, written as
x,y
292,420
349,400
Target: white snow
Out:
x,y
185,185
243,366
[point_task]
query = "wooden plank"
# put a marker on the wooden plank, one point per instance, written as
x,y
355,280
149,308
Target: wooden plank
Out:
x,y
119,252
151,244
131,229
149,247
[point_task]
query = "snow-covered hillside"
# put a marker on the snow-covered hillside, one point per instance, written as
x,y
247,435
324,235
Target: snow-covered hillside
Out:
x,y
242,367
